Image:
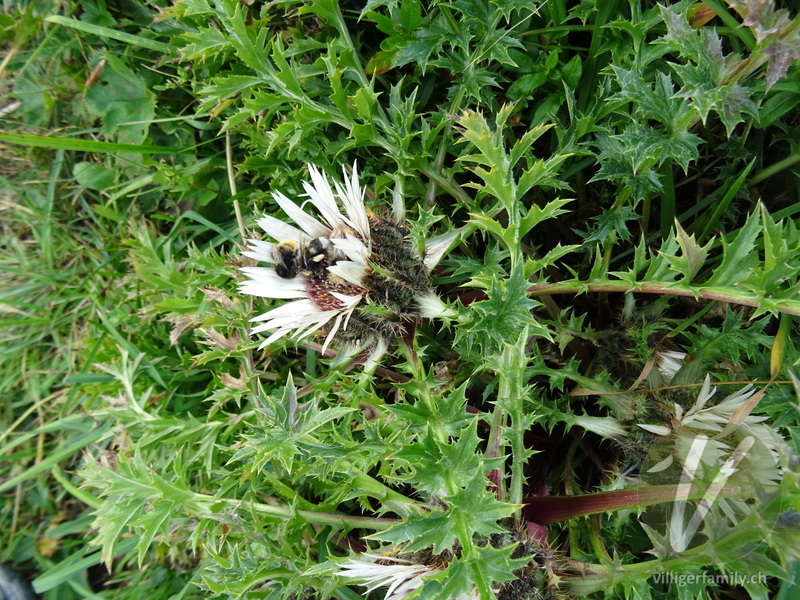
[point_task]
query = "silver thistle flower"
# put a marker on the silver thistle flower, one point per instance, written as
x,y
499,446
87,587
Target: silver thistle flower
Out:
x,y
400,576
350,273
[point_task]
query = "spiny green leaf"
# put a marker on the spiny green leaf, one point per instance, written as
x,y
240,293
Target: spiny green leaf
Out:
x,y
523,144
250,47
203,43
489,142
536,265
476,510
506,312
448,412
660,268
537,214
418,47
692,257
614,221
286,431
441,467
154,521
738,257
473,510
656,102
482,567
230,85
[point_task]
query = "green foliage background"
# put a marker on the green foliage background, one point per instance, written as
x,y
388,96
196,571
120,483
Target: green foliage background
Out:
x,y
568,154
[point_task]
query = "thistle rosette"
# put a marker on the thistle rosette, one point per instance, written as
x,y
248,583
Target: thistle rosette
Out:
x,y
352,275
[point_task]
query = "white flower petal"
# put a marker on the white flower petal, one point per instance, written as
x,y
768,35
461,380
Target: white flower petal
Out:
x,y
308,223
347,352
670,362
352,198
336,324
400,576
321,195
706,392
293,310
276,335
353,248
302,325
431,306
437,247
661,465
279,333
349,272
314,325
264,282
607,427
350,302
288,323
278,230
260,250
378,350
283,328
656,429
735,400
704,425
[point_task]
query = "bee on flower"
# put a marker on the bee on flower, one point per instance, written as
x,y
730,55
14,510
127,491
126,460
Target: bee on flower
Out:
x,y
351,274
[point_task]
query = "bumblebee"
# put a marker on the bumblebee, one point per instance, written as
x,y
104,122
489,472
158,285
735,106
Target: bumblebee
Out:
x,y
311,259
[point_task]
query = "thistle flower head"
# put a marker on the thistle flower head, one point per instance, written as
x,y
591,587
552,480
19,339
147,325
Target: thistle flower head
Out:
x,y
712,426
400,577
350,274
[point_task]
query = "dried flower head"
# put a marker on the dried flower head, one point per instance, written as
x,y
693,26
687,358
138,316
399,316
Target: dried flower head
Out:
x,y
351,274
717,430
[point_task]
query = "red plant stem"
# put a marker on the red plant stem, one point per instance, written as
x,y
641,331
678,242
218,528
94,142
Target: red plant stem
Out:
x,y
552,509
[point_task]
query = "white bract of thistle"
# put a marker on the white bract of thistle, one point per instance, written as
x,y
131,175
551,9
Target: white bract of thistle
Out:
x,y
670,362
607,427
329,288
399,576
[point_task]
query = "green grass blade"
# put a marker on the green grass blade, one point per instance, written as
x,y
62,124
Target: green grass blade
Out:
x,y
65,143
64,570
726,200
105,32
54,458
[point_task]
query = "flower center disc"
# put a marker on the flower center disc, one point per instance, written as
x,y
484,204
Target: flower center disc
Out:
x,y
320,292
